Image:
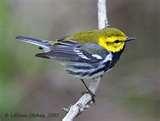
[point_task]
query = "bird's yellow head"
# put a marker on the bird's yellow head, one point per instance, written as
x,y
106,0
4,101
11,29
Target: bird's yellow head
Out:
x,y
113,39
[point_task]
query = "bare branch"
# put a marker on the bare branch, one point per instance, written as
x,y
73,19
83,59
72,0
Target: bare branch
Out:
x,y
102,14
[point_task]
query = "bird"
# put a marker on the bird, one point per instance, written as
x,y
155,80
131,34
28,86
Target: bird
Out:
x,y
85,55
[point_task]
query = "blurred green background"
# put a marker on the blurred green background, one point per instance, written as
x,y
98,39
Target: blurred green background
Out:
x,y
129,92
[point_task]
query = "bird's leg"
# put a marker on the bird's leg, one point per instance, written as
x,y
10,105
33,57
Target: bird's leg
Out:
x,y
88,90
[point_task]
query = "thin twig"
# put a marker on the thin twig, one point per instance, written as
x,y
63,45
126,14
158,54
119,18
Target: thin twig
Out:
x,y
86,100
102,14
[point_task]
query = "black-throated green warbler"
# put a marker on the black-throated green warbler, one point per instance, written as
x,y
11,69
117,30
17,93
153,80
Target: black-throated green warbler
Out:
x,y
86,55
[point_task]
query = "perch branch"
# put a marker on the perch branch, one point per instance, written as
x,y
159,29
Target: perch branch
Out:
x,y
86,100
102,14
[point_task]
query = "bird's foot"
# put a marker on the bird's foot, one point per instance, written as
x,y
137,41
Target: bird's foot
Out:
x,y
88,91
92,95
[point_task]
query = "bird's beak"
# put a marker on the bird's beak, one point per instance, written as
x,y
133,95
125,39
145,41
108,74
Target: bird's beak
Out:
x,y
130,39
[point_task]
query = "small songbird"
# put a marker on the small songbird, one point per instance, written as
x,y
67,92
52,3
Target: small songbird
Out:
x,y
86,55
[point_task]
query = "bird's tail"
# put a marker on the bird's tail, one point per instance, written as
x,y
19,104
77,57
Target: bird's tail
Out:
x,y
44,44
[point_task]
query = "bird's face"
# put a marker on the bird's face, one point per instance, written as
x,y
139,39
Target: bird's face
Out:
x,y
113,40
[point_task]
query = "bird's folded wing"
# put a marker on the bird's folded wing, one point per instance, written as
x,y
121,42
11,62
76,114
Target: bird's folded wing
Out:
x,y
70,51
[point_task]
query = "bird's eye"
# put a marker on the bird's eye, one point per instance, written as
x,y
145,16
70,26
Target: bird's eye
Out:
x,y
117,41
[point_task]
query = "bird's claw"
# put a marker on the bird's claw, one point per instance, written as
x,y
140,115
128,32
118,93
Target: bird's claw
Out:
x,y
92,95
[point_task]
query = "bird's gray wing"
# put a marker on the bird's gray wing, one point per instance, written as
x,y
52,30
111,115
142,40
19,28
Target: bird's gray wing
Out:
x,y
71,51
